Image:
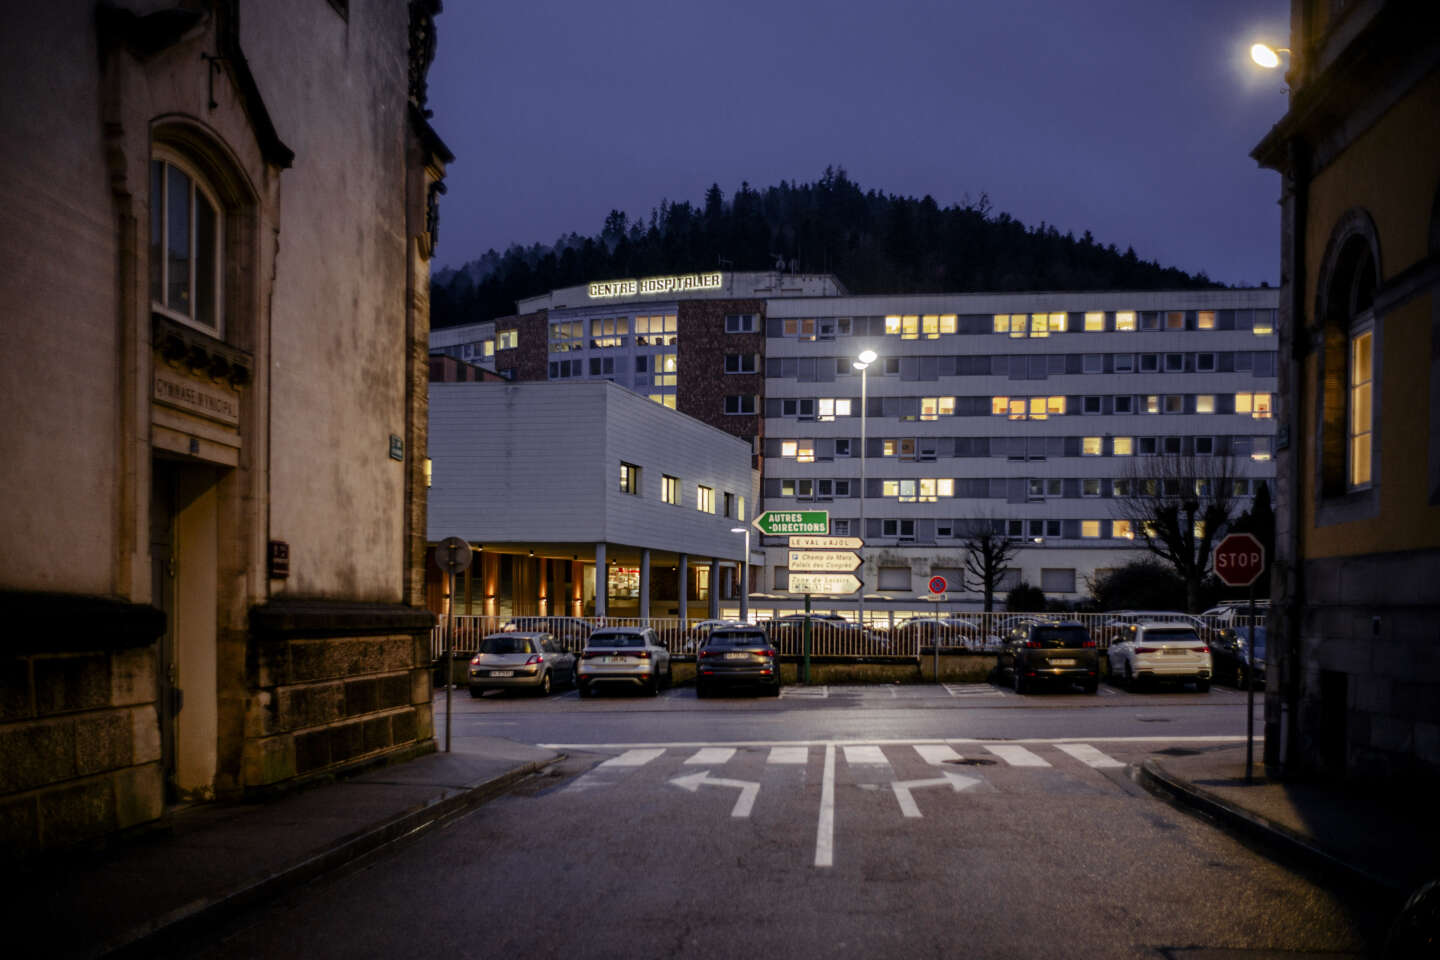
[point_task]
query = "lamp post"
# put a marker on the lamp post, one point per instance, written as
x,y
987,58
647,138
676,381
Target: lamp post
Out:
x,y
744,575
1266,55
862,363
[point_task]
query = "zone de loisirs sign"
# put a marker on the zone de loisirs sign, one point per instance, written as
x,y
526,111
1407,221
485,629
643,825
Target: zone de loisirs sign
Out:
x,y
683,283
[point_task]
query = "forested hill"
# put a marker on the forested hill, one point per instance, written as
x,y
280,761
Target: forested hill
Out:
x,y
875,243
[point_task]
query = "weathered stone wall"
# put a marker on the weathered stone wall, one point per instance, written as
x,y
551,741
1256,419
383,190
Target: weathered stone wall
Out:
x,y
79,746
326,702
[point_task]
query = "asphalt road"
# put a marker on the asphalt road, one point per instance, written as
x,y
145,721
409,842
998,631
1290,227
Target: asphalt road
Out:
x,y
867,822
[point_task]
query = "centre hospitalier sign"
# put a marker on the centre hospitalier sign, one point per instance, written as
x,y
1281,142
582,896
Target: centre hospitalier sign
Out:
x,y
682,283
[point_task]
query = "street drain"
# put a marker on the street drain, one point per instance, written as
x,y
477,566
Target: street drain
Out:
x,y
1153,719
971,761
1179,752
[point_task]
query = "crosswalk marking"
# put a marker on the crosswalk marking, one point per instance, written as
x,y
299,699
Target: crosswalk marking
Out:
x,y
973,690
796,692
855,754
1088,755
711,755
936,753
1016,755
633,758
797,755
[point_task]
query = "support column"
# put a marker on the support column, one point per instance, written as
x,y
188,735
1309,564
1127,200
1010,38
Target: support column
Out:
x,y
602,581
645,587
577,590
714,589
684,570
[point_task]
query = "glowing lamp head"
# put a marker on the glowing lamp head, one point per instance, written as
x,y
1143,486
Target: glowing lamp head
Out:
x,y
867,356
1265,56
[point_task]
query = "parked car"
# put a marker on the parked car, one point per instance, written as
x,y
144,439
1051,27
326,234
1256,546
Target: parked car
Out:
x,y
926,631
787,632
1161,652
737,654
520,660
570,631
623,656
1230,654
1049,651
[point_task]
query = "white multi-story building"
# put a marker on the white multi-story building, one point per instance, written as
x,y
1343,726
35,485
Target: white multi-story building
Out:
x,y
1020,411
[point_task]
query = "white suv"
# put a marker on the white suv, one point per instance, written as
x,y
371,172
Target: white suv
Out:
x,y
1161,651
623,656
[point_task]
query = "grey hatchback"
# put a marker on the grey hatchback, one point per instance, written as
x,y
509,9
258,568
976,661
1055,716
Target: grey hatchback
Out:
x,y
1050,650
520,660
737,654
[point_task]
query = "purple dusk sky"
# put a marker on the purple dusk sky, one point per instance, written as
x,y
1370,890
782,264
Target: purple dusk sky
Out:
x,y
1133,119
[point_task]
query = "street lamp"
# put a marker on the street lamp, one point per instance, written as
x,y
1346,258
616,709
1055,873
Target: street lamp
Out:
x,y
1266,55
744,575
862,363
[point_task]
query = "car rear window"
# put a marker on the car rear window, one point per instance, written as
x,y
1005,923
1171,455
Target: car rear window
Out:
x,y
615,640
737,638
507,645
1184,635
1061,636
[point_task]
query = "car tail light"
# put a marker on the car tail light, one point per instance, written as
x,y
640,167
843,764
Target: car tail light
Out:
x,y
475,660
706,653
641,654
535,658
1032,643
1204,649
1088,643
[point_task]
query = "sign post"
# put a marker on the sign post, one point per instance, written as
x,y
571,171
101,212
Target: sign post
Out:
x,y
452,556
1239,559
937,593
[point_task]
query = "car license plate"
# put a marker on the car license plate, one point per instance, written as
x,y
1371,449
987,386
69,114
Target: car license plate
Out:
x,y
737,656
1175,652
1062,662
502,673
613,659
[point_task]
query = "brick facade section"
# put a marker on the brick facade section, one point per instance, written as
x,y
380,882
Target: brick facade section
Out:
x,y
703,384
530,357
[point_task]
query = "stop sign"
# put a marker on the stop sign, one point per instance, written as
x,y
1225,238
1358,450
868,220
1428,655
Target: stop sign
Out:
x,y
1239,559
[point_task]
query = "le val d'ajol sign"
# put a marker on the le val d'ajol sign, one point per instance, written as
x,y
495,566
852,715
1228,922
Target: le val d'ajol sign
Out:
x,y
682,283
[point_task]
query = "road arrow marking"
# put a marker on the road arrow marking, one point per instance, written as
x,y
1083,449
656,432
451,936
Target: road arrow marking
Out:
x,y
743,803
957,782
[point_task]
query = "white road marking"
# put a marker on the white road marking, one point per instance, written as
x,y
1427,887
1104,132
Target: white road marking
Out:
x,y
864,754
634,758
743,803
825,828
798,755
797,692
1016,755
902,788
973,690
711,756
898,742
1088,755
936,753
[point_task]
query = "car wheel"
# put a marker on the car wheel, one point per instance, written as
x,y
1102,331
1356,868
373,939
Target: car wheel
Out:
x,y
775,690
1240,682
1092,686
1202,686
1019,681
1129,678
582,689
543,689
701,692
669,676
654,687
477,692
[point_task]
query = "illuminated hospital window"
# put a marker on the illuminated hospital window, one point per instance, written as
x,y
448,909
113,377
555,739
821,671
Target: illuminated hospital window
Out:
x,y
1094,321
932,408
1205,320
1121,530
1255,404
1362,375
1125,320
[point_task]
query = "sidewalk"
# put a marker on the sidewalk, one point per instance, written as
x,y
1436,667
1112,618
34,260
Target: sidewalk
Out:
x,y
145,892
1381,842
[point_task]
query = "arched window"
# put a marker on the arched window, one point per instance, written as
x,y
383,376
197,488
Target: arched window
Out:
x,y
1349,359
186,243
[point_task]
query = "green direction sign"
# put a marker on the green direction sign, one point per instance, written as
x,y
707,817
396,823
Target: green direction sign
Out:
x,y
780,523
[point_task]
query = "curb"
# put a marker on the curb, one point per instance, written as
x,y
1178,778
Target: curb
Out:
x,y
171,930
1274,836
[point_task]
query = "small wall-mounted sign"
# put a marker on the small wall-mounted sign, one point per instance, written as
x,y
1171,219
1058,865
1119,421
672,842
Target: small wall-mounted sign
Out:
x,y
279,560
1282,437
397,448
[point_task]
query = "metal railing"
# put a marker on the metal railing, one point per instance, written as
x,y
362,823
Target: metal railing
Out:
x,y
883,637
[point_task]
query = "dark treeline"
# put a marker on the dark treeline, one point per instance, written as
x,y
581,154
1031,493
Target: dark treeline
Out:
x,y
874,242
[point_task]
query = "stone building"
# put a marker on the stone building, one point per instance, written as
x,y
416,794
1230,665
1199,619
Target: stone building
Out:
x,y
1358,464
217,231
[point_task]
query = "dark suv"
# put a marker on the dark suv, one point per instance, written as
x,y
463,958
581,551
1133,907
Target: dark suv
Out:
x,y
737,654
1042,651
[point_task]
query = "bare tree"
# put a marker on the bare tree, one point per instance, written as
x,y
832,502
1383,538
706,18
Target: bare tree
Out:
x,y
988,552
1179,507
